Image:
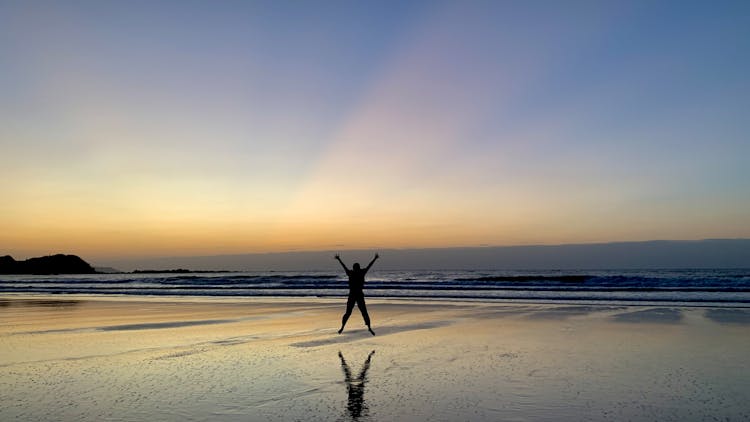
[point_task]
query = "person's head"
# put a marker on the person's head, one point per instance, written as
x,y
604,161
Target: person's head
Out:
x,y
356,266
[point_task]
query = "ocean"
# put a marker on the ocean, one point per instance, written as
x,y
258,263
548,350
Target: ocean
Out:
x,y
683,287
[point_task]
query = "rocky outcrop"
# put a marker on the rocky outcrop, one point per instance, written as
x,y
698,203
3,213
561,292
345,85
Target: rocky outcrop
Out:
x,y
54,264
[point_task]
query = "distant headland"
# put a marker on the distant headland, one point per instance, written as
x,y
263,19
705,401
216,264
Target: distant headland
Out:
x,y
179,271
73,264
53,264
662,254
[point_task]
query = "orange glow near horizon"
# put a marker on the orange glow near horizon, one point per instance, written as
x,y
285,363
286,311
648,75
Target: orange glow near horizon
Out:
x,y
422,125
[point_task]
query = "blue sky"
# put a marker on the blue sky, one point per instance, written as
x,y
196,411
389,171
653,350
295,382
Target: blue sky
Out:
x,y
174,128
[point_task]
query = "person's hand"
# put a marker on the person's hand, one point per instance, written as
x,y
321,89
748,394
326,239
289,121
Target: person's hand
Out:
x,y
377,256
336,256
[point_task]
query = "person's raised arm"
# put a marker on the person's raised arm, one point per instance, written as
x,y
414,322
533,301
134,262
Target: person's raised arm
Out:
x,y
372,262
341,262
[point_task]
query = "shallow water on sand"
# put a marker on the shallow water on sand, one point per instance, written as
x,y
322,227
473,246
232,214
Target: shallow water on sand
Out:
x,y
282,360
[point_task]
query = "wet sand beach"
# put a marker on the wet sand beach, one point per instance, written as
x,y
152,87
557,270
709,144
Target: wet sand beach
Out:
x,y
84,358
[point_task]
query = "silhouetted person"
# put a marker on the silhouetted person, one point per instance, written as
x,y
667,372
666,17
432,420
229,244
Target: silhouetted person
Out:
x,y
356,295
355,387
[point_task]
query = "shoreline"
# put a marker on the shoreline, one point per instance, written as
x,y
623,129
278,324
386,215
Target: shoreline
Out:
x,y
720,288
374,299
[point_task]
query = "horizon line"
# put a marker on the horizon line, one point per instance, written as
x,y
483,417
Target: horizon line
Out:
x,y
417,248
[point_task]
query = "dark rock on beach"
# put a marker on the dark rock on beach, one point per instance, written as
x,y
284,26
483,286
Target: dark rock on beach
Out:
x,y
53,264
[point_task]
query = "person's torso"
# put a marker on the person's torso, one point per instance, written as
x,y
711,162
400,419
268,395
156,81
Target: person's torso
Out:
x,y
356,279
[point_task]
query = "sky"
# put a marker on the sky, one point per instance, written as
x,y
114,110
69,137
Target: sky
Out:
x,y
153,128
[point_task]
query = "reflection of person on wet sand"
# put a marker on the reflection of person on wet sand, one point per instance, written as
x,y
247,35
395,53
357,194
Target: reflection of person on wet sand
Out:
x,y
355,387
356,293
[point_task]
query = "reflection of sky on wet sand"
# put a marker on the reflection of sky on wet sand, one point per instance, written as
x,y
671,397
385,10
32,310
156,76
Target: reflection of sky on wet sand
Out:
x,y
653,315
264,360
728,316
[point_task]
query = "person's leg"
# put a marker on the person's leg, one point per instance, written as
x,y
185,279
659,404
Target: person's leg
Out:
x,y
349,307
363,309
